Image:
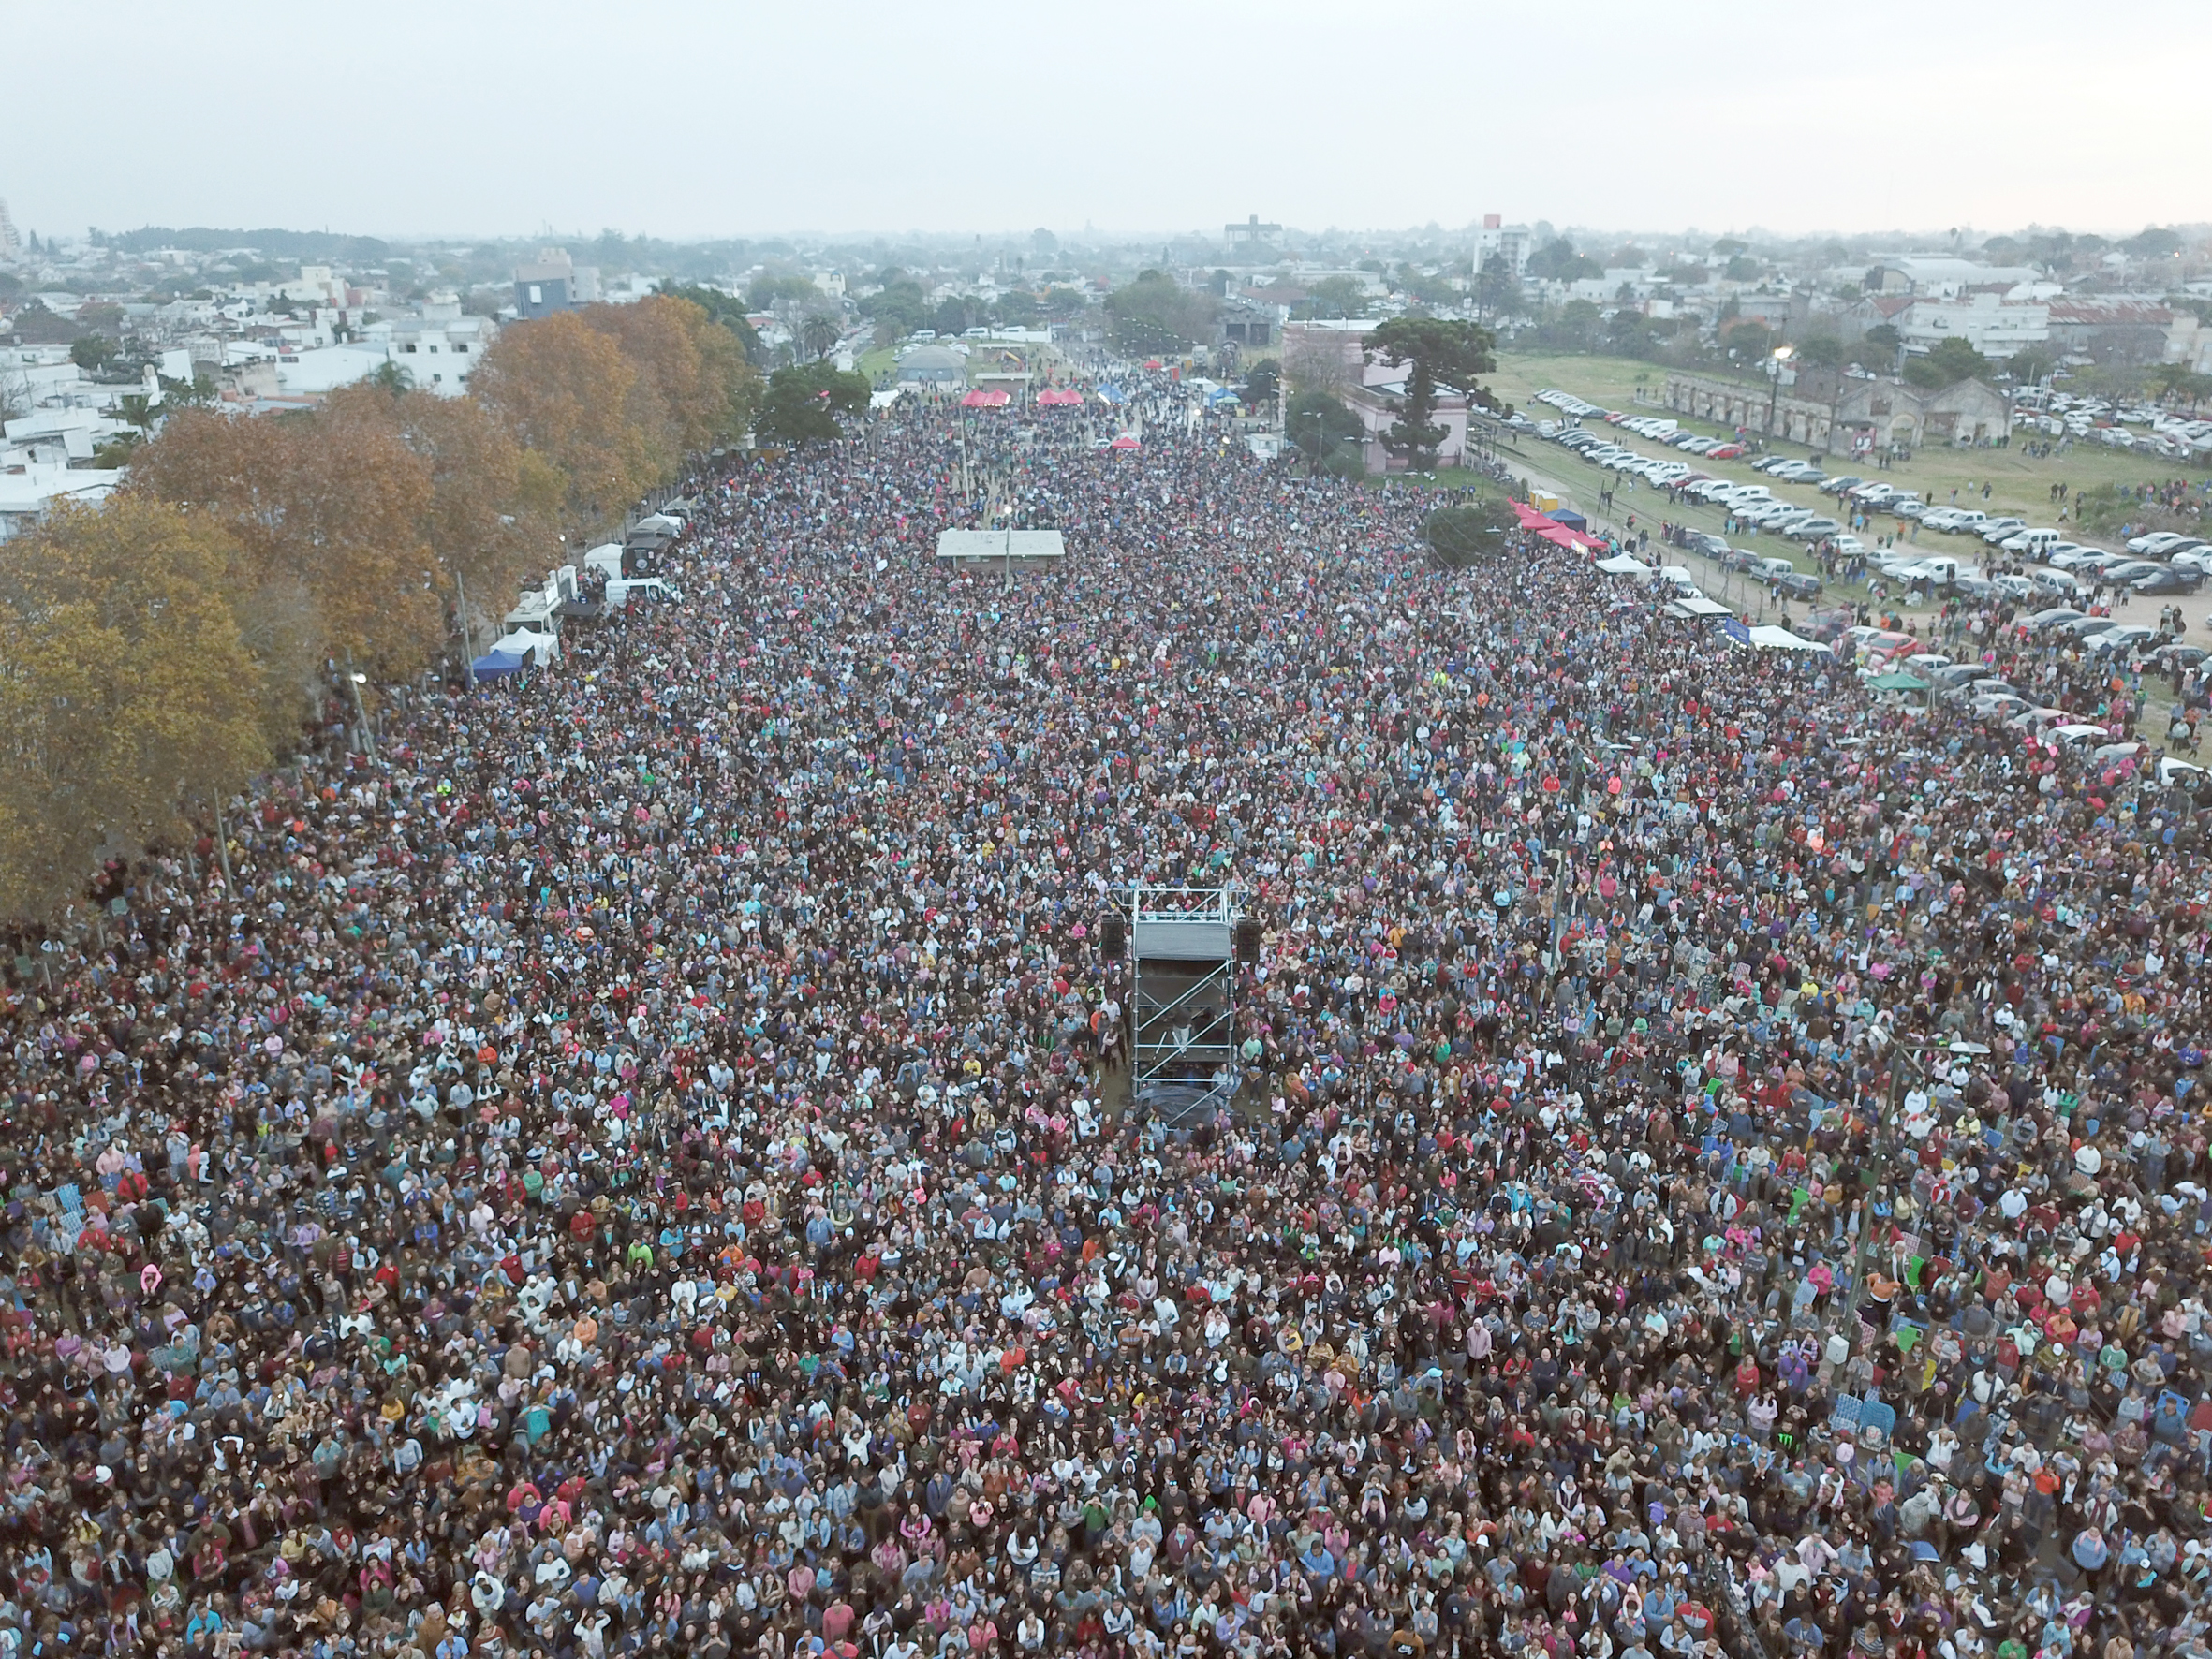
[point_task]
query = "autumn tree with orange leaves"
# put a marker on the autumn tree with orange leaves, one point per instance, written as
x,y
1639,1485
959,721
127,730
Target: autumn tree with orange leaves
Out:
x,y
130,698
563,389
326,512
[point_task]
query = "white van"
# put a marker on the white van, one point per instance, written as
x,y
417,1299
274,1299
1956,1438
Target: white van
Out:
x,y
2033,544
1940,573
620,592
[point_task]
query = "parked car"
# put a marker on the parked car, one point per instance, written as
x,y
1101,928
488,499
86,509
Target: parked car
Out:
x,y
2038,721
2157,541
2127,570
2121,640
2174,579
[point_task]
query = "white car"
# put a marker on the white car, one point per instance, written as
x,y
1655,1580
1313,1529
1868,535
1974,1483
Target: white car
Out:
x,y
2157,542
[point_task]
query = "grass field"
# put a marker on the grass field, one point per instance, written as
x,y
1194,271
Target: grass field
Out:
x,y
2017,483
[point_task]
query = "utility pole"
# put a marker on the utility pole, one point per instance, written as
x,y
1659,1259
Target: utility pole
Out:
x,y
467,634
223,850
353,683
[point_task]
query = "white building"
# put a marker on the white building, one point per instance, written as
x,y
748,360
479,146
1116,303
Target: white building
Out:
x,y
29,489
1994,324
323,369
1513,241
440,348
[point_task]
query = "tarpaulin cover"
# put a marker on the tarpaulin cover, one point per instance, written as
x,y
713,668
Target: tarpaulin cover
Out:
x,y
1770,638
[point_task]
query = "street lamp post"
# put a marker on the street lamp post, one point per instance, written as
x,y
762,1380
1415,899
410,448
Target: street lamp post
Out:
x,y
1773,369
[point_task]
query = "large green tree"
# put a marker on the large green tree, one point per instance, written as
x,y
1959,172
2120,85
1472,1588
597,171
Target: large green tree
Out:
x,y
1498,289
1155,314
805,401
1946,363
1556,260
1331,298
899,307
1321,427
1462,536
725,309
1435,354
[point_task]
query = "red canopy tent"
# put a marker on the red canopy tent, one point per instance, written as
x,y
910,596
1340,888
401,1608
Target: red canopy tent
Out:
x,y
1053,396
1551,530
986,400
1125,442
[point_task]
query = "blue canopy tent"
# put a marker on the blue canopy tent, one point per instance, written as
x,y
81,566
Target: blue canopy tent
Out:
x,y
1111,394
1572,520
495,665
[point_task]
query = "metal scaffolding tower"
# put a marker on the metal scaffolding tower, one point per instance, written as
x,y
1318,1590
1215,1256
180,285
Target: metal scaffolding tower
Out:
x,y
1182,1000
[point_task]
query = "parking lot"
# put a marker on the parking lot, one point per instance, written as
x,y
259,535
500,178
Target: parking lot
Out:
x,y
1776,525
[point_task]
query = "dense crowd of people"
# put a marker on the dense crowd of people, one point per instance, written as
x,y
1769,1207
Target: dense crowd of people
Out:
x,y
637,1163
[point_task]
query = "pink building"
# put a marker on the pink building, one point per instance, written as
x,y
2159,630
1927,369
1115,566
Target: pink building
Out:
x,y
1332,356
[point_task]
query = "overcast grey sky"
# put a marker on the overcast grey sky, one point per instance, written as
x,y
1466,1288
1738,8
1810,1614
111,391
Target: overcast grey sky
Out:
x,y
693,117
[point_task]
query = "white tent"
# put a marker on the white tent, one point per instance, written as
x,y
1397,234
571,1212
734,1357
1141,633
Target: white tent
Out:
x,y
534,648
1769,637
1699,606
1622,565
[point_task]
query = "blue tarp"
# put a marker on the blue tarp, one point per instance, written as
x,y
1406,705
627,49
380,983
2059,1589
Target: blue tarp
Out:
x,y
1111,394
494,664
